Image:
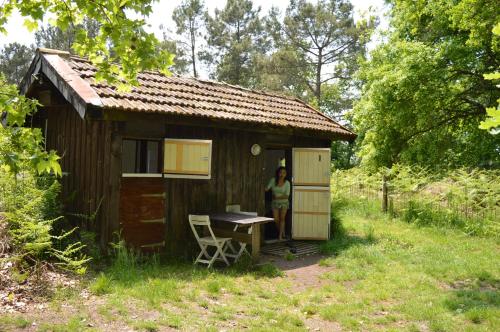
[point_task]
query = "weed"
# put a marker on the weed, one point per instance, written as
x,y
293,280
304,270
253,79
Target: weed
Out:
x,y
14,321
268,270
289,256
101,285
147,325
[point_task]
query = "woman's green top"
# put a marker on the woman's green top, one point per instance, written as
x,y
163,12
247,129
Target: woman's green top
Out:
x,y
284,190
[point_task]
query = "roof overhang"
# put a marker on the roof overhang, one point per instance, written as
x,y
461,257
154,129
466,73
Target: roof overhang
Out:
x,y
54,66
75,90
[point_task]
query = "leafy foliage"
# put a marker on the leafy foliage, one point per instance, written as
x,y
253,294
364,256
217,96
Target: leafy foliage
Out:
x,y
326,37
424,92
21,147
235,37
30,204
492,121
15,60
120,50
56,38
463,199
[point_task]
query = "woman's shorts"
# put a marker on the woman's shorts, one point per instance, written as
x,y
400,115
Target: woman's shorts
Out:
x,y
277,205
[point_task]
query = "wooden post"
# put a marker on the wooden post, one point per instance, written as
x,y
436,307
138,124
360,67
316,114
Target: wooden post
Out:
x,y
255,242
384,194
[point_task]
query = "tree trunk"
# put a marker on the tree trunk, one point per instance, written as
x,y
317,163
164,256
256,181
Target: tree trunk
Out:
x,y
193,54
317,92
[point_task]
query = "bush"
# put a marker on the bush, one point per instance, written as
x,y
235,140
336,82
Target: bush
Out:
x,y
461,199
32,210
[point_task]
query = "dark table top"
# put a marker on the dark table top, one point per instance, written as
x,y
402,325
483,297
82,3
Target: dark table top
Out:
x,y
238,218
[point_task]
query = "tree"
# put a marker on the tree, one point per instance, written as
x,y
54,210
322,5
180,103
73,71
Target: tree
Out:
x,y
55,38
120,50
15,60
424,91
188,17
327,40
492,121
122,47
235,37
181,61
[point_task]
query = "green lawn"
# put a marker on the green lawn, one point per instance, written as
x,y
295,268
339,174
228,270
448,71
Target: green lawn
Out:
x,y
381,275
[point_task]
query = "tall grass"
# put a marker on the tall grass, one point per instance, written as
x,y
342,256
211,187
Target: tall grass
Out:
x,y
468,200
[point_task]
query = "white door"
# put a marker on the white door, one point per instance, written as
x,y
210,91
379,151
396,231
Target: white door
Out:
x,y
311,193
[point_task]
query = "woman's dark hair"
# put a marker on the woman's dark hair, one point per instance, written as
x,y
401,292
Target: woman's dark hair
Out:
x,y
277,176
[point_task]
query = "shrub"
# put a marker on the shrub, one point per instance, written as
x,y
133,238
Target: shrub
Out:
x,y
31,208
463,199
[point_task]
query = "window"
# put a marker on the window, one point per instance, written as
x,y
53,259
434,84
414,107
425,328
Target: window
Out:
x,y
187,158
141,157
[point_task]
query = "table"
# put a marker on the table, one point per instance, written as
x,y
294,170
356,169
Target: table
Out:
x,y
242,220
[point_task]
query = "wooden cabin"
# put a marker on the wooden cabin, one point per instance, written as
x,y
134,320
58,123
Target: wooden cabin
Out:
x,y
143,160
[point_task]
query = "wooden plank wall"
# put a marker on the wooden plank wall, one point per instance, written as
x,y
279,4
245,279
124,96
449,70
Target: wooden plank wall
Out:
x,y
85,147
91,155
237,176
236,179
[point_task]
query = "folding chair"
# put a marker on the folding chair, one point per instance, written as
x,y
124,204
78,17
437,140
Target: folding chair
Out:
x,y
220,243
236,208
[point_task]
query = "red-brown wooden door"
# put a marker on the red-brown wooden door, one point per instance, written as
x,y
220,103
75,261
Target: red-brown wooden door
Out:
x,y
142,213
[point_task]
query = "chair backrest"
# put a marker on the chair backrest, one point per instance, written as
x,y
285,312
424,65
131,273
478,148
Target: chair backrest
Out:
x,y
200,220
233,208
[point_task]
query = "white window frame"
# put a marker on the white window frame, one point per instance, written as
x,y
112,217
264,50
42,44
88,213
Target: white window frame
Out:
x,y
189,176
142,175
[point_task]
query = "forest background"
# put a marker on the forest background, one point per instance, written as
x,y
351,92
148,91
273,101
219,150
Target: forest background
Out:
x,y
415,88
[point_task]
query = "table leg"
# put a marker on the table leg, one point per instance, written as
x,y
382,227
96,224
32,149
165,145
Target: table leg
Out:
x,y
255,242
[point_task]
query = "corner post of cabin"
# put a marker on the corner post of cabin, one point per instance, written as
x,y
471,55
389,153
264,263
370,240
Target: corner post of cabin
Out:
x,y
256,242
114,179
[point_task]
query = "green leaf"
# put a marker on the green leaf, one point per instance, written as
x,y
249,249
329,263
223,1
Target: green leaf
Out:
x,y
30,25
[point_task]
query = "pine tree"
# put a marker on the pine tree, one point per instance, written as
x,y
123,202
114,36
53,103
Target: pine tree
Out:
x,y
188,17
15,60
327,40
235,37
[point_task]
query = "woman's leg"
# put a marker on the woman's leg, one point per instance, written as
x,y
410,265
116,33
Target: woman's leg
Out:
x,y
276,216
282,222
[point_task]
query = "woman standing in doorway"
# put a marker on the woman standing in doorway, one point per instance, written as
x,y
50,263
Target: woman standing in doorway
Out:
x,y
280,187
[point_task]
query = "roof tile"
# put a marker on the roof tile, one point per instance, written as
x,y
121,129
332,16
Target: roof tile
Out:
x,y
195,97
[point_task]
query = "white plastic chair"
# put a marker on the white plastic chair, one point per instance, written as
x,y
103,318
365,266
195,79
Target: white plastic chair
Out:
x,y
220,243
236,208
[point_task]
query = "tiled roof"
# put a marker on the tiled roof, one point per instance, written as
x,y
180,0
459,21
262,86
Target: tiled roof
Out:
x,y
158,93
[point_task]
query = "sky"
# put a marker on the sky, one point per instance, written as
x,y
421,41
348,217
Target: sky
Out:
x,y
162,13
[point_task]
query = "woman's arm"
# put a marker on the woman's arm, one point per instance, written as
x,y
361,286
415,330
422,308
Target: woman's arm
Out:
x,y
269,185
286,194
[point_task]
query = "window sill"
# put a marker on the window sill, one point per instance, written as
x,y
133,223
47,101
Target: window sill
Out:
x,y
142,175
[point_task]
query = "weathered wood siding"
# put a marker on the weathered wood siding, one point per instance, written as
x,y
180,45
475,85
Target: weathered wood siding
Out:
x,y
91,151
89,185
237,176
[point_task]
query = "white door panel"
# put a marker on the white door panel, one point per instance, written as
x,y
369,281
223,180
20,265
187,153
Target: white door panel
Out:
x,y
311,193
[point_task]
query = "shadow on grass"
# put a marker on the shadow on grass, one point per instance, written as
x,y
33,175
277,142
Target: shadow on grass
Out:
x,y
129,268
478,301
341,239
345,241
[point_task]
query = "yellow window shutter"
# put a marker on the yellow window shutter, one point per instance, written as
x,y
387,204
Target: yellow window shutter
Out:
x,y
187,158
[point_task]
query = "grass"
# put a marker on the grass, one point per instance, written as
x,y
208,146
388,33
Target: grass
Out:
x,y
379,274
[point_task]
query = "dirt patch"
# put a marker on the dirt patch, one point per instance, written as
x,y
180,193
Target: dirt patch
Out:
x,y
316,324
304,272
